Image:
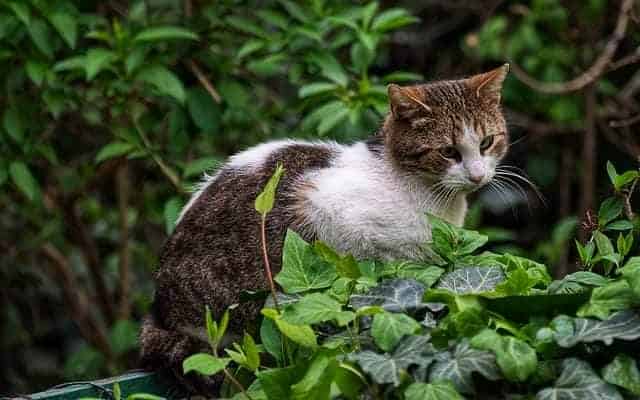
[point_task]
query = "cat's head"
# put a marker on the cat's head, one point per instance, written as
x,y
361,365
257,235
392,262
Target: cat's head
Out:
x,y
449,131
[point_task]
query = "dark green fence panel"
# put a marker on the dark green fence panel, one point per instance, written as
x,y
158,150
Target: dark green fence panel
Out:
x,y
134,382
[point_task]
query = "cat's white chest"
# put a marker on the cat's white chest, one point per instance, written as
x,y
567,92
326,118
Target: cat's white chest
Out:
x,y
359,206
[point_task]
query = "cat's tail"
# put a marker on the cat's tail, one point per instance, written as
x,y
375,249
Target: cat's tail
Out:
x,y
165,350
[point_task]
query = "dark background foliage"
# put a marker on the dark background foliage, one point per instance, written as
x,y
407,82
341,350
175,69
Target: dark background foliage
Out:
x,y
111,111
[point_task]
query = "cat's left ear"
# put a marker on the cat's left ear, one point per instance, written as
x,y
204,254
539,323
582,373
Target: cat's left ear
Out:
x,y
489,85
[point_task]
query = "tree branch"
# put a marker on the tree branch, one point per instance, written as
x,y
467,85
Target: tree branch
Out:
x,y
204,81
76,300
598,68
122,188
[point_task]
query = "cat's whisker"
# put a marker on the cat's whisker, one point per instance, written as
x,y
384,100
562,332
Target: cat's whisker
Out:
x,y
511,184
499,188
513,172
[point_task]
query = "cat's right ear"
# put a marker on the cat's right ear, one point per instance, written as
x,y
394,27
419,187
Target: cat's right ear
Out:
x,y
406,102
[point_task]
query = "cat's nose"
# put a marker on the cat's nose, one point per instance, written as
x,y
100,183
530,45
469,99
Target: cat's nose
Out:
x,y
477,179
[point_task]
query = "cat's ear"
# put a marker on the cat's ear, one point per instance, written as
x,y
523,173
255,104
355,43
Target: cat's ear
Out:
x,y
489,85
406,102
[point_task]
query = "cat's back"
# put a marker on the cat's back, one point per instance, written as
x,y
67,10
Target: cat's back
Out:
x,y
214,252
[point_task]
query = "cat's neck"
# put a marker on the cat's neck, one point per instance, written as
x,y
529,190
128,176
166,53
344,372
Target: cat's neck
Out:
x,y
428,195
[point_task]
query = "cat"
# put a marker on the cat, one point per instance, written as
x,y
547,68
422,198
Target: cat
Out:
x,y
439,142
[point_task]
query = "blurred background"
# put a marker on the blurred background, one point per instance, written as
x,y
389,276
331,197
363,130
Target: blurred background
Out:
x,y
111,110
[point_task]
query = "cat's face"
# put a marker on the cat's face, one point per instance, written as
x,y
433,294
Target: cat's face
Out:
x,y
451,131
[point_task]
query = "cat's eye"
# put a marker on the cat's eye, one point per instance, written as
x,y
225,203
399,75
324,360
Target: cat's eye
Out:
x,y
486,142
450,152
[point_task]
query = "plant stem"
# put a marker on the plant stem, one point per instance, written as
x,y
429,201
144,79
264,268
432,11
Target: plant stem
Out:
x,y
267,265
230,376
628,211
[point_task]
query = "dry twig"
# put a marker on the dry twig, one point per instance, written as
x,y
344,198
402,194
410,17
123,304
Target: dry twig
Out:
x,y
204,81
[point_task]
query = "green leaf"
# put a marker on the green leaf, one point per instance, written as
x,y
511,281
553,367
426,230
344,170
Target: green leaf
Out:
x,y
295,10
277,382
392,19
171,212
458,366
271,339
623,372
621,225
251,351
204,364
432,391
162,33
22,178
521,308
401,76
316,382
302,269
346,266
301,334
624,179
165,81
387,368
36,71
250,47
21,10
518,282
330,68
315,88
265,200
41,35
471,280
13,124
200,165
113,150
123,337
578,381
97,60
631,272
332,120
314,308
204,112
623,325
516,359
211,325
611,171
452,242
610,209
389,328
66,25
606,299
72,63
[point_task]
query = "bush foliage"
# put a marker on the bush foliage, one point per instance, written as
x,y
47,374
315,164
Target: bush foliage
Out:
x,y
111,111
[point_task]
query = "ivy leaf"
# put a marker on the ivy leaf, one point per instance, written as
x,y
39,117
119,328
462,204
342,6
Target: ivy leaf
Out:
x,y
604,300
204,364
518,282
277,382
432,391
578,381
458,366
316,383
165,81
516,359
386,368
425,274
302,269
623,372
470,280
161,33
577,280
389,328
398,295
451,242
346,266
623,325
301,334
314,308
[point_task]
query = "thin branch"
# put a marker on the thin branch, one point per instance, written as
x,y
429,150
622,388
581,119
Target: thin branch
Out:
x,y
267,264
204,81
75,298
589,154
625,122
164,168
123,189
626,197
598,68
627,60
